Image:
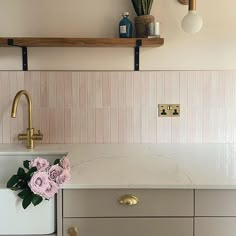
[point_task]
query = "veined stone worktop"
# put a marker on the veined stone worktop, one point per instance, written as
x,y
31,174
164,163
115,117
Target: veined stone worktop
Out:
x,y
144,166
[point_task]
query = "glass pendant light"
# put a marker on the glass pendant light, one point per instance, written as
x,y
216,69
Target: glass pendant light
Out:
x,y
192,22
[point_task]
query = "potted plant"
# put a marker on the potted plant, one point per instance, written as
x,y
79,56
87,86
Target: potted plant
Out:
x,y
143,19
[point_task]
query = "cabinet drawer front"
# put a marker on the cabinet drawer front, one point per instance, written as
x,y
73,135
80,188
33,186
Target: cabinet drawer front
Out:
x,y
104,203
215,202
130,226
217,226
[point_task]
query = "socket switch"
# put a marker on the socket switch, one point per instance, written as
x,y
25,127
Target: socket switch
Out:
x,y
169,110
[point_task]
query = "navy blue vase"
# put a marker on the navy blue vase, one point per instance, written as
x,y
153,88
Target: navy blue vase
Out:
x,y
125,26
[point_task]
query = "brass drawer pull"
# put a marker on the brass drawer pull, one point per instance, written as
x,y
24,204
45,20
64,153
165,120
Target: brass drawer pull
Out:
x,y
129,200
73,231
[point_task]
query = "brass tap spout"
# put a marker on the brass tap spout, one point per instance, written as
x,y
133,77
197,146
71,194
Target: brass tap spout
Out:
x,y
15,106
30,136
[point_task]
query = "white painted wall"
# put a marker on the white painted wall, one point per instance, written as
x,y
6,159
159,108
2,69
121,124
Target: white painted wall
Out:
x,y
214,48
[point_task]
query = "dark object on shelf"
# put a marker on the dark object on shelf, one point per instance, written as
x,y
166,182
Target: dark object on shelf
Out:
x,y
125,26
142,24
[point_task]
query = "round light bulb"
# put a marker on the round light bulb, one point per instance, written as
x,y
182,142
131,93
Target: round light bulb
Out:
x,y
192,22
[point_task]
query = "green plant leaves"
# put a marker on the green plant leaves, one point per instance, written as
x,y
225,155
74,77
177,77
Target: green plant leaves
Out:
x,y
12,181
27,200
142,7
21,172
36,199
26,164
57,161
31,171
24,193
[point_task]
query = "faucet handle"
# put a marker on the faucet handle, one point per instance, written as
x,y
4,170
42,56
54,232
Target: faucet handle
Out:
x,y
22,136
38,136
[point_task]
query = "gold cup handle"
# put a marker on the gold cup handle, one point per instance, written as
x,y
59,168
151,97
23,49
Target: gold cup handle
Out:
x,y
73,231
128,200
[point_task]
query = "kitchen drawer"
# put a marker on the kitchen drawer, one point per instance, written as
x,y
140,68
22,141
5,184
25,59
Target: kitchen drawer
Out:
x,y
215,226
130,226
104,203
215,202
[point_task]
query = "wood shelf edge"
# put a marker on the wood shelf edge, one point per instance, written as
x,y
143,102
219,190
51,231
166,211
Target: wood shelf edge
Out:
x,y
81,42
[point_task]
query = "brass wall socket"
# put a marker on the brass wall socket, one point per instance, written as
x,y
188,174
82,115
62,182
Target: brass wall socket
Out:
x,y
169,110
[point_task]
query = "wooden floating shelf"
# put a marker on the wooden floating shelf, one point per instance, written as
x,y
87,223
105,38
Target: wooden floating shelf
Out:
x,y
81,42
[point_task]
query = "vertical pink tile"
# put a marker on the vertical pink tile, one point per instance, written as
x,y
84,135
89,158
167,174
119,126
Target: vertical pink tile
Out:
x,y
60,94
44,89
20,85
152,125
145,89
175,130
121,125
45,124
68,89
152,93
98,79
68,125
1,109
137,124
83,125
83,79
114,125
198,106
121,89
13,122
137,89
35,92
160,88
183,119
52,89
145,119
129,89
106,125
114,90
129,125
171,87
75,90
60,125
229,99
37,118
28,81
91,125
75,125
52,126
6,128
163,96
206,103
191,118
99,125
91,90
106,91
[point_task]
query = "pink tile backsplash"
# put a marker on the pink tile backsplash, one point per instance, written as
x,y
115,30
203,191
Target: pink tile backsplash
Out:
x,y
121,107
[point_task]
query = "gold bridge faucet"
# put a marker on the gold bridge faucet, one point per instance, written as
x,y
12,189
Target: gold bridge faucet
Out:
x,y
30,136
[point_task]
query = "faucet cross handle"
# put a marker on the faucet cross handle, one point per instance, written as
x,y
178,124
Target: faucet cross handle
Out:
x,y
38,136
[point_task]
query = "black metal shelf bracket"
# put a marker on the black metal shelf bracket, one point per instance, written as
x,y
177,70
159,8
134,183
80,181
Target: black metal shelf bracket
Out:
x,y
137,54
10,42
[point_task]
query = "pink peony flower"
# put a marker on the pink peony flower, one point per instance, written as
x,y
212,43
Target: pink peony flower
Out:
x,y
40,163
63,177
50,190
38,183
54,172
65,163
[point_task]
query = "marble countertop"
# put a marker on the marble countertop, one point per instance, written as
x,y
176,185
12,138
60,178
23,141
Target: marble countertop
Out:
x,y
152,166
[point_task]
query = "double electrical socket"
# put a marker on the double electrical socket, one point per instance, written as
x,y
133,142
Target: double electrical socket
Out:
x,y
169,110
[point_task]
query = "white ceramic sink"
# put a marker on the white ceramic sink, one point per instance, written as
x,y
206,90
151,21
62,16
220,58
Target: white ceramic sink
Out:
x,y
14,220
